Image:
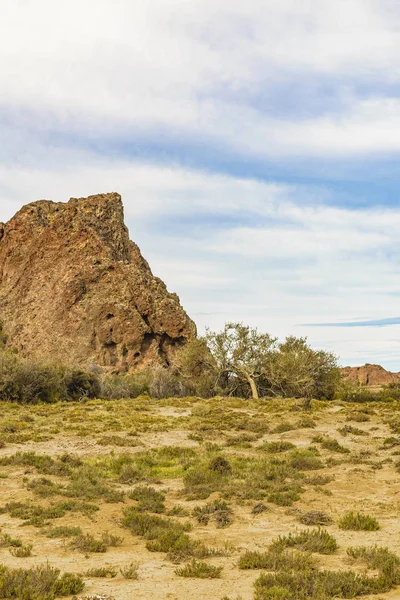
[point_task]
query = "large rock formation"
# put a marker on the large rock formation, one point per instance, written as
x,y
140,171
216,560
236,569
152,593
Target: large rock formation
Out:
x,y
372,375
74,288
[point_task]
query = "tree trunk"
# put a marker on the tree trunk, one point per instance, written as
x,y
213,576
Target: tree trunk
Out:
x,y
253,387
307,403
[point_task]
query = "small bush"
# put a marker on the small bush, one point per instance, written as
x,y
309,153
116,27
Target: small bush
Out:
x,y
63,531
352,430
200,570
315,517
104,572
330,444
276,560
305,460
316,540
358,417
218,510
38,583
87,543
259,508
131,571
22,551
358,522
276,447
148,499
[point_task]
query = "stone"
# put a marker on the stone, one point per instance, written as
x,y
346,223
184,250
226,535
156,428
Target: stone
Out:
x,y
372,375
74,288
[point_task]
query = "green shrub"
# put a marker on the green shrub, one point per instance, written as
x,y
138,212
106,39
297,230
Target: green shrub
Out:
x,y
87,543
276,447
218,510
199,569
330,444
305,460
38,583
358,522
276,560
104,572
316,540
148,499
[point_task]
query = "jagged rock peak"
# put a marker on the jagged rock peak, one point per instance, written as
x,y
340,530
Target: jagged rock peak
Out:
x,y
73,287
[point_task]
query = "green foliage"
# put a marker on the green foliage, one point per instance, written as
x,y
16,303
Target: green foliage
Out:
x,y
330,444
148,499
88,543
103,572
274,560
358,522
199,569
38,583
297,371
31,381
217,510
316,540
241,353
276,447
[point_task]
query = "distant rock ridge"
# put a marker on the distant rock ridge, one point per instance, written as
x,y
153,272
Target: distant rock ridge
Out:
x,y
372,375
74,288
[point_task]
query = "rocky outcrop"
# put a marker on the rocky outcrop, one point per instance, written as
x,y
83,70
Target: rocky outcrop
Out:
x,y
372,375
74,288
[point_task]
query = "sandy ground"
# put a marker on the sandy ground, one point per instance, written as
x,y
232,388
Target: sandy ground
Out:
x,y
372,487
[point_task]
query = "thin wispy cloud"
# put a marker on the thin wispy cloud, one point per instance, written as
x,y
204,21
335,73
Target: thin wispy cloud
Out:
x,y
255,145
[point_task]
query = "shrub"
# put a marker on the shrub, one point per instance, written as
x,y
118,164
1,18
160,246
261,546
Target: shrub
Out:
x,y
130,571
22,551
330,444
316,540
148,499
199,569
315,517
358,522
305,460
102,572
87,543
276,447
276,560
63,531
38,583
218,510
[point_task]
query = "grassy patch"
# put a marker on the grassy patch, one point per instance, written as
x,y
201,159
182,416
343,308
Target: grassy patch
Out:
x,y
330,444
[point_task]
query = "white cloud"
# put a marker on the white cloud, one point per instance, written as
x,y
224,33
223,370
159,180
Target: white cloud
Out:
x,y
193,69
297,260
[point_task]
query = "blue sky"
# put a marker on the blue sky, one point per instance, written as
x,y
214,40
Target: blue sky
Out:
x,y
256,146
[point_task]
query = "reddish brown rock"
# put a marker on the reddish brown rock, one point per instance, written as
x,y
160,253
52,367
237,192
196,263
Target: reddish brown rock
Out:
x,y
373,375
74,288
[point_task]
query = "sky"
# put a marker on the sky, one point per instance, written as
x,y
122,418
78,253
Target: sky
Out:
x,y
256,146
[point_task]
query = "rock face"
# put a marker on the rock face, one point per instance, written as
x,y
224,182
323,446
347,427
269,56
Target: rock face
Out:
x,y
372,375
74,288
